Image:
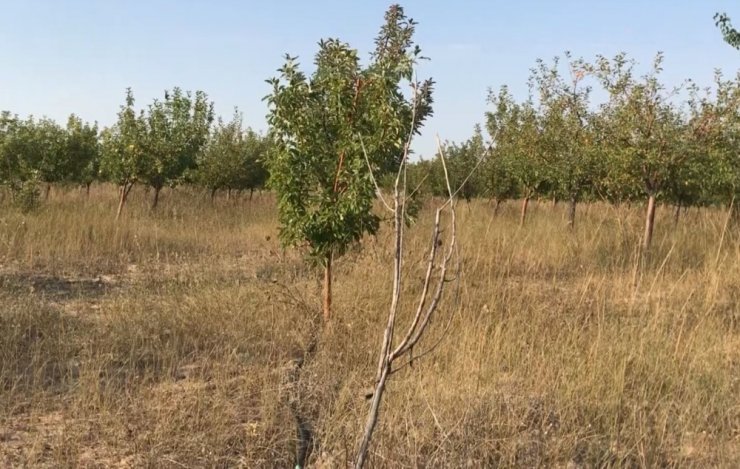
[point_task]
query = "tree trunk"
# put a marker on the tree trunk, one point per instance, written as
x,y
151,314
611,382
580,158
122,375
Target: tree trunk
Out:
x,y
372,418
572,211
649,223
251,193
525,204
228,193
327,288
213,194
123,191
676,214
87,189
155,201
47,191
496,207
554,202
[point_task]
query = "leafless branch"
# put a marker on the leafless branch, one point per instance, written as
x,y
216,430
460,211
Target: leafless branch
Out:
x,y
372,175
427,305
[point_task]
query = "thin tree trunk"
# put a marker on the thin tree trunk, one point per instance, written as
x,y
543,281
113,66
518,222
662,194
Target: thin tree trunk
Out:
x,y
123,191
251,193
47,191
677,214
228,193
372,419
87,189
554,202
572,212
327,288
155,201
496,207
649,223
525,204
213,194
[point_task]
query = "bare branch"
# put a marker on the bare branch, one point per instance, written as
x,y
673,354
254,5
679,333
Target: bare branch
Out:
x,y
372,175
425,308
425,289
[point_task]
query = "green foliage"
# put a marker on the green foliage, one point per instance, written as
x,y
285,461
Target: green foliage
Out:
x,y
26,195
518,157
45,151
9,148
158,146
730,34
123,157
332,128
462,161
232,158
82,149
643,143
568,134
40,151
32,152
174,131
713,138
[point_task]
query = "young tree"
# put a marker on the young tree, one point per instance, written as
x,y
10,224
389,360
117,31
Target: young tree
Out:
x,y
33,152
645,131
175,130
462,161
567,133
518,145
253,174
397,347
332,129
123,157
217,160
45,152
232,158
714,136
9,143
82,147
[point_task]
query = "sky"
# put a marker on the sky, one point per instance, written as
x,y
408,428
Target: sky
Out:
x,y
71,56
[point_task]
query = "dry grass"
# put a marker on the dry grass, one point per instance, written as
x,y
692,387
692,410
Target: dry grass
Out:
x,y
163,341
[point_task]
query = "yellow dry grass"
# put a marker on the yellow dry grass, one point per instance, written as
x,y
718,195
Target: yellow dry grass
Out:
x,y
164,340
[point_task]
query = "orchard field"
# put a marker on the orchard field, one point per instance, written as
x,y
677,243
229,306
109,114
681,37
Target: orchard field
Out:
x,y
561,289
163,341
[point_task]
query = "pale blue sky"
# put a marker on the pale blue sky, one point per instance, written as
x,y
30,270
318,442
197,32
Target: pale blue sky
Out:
x,y
59,57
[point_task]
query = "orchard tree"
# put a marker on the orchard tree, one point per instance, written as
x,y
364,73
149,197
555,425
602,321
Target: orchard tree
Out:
x,y
33,152
9,163
567,134
503,126
644,130
497,179
82,147
516,130
254,173
232,158
45,152
175,129
221,157
715,134
333,129
123,157
725,144
462,160
496,173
